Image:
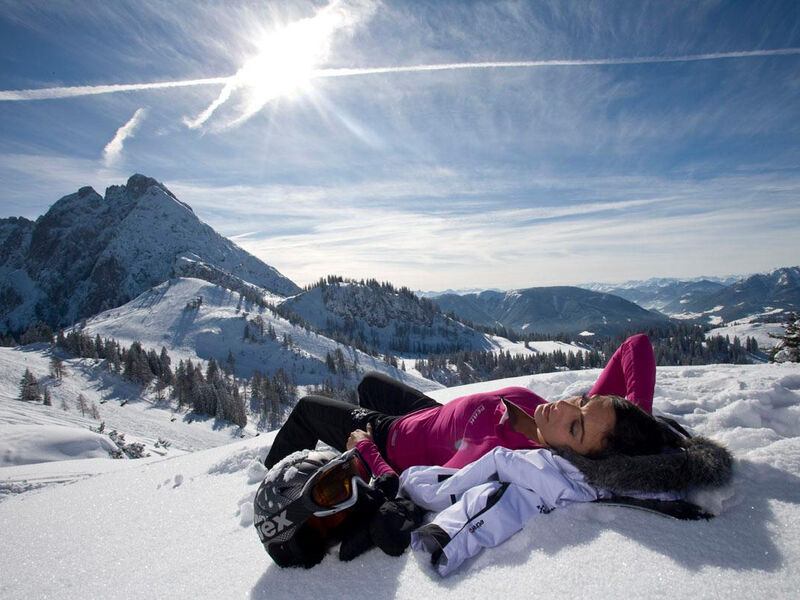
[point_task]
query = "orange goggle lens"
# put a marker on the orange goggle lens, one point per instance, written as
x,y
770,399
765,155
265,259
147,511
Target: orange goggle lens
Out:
x,y
335,485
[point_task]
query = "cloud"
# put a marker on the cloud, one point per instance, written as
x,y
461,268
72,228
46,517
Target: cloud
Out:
x,y
608,228
114,148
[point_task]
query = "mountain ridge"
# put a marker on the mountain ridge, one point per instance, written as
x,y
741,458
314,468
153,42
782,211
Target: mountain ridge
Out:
x,y
548,310
88,253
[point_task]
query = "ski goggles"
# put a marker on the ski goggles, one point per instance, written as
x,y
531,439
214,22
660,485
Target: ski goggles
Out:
x,y
334,487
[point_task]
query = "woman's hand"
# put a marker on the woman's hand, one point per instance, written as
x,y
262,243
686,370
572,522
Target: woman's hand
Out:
x,y
359,435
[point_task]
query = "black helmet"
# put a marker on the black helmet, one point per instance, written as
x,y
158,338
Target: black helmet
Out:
x,y
277,514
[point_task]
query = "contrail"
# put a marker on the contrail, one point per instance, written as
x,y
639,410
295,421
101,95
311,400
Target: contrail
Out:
x,y
556,63
91,90
88,90
114,148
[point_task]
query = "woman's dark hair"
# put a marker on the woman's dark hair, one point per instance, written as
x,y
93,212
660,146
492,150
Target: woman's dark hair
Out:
x,y
637,432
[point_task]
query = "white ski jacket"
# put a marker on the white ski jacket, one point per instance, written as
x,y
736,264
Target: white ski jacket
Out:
x,y
483,504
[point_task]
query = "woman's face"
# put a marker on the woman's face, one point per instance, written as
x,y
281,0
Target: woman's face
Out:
x,y
580,424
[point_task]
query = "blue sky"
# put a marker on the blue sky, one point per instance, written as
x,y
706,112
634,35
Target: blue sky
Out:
x,y
566,142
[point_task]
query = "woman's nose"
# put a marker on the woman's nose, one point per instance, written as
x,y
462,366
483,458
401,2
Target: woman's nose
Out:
x,y
564,406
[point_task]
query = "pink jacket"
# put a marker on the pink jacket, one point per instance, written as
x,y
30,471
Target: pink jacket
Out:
x,y
466,428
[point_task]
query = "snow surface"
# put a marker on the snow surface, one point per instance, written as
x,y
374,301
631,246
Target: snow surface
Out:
x,y
121,405
182,527
762,332
25,444
502,344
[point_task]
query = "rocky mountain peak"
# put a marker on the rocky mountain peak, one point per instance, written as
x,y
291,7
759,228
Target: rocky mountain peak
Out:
x,y
88,253
85,191
139,184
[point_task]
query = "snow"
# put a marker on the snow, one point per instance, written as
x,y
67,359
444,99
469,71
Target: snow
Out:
x,y
502,344
760,331
23,444
181,526
121,406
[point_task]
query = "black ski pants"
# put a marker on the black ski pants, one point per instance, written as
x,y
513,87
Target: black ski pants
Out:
x,y
382,400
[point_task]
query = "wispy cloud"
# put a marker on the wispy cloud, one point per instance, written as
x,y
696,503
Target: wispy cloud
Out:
x,y
640,222
113,149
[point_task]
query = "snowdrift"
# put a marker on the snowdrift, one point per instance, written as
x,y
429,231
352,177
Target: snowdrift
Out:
x,y
26,444
182,527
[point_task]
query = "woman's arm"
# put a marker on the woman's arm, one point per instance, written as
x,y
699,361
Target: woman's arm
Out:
x,y
362,441
631,373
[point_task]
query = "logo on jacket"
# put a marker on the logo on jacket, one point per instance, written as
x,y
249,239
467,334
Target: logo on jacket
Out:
x,y
475,414
477,525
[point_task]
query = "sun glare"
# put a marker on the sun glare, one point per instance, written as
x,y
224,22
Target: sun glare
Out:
x,y
284,64
286,61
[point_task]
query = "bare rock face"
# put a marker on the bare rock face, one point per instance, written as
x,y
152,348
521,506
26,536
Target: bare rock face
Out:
x,y
90,252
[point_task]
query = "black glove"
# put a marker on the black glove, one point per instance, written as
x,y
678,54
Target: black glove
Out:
x,y
354,530
392,524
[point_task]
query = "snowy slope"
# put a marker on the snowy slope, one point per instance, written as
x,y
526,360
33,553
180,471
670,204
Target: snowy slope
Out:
x,y
182,528
387,319
502,344
31,433
743,329
159,317
121,404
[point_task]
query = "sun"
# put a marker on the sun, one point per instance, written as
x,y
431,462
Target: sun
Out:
x,y
286,60
284,65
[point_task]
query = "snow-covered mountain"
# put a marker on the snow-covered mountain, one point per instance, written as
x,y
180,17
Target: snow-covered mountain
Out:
x,y
89,253
551,310
384,318
194,319
182,528
764,293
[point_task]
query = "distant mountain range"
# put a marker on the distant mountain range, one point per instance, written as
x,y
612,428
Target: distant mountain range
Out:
x,y
773,293
658,293
551,310
89,253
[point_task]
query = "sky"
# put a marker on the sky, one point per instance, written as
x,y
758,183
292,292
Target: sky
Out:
x,y
435,145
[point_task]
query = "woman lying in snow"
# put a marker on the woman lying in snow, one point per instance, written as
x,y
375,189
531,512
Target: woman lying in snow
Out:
x,y
486,502
398,427
633,455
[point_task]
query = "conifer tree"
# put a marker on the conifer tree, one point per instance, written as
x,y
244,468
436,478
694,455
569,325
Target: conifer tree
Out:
x,y
29,389
788,348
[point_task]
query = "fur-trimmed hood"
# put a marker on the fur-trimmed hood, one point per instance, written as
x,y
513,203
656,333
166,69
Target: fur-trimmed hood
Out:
x,y
703,463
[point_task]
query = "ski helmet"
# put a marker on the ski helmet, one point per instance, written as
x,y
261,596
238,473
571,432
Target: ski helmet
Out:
x,y
277,515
